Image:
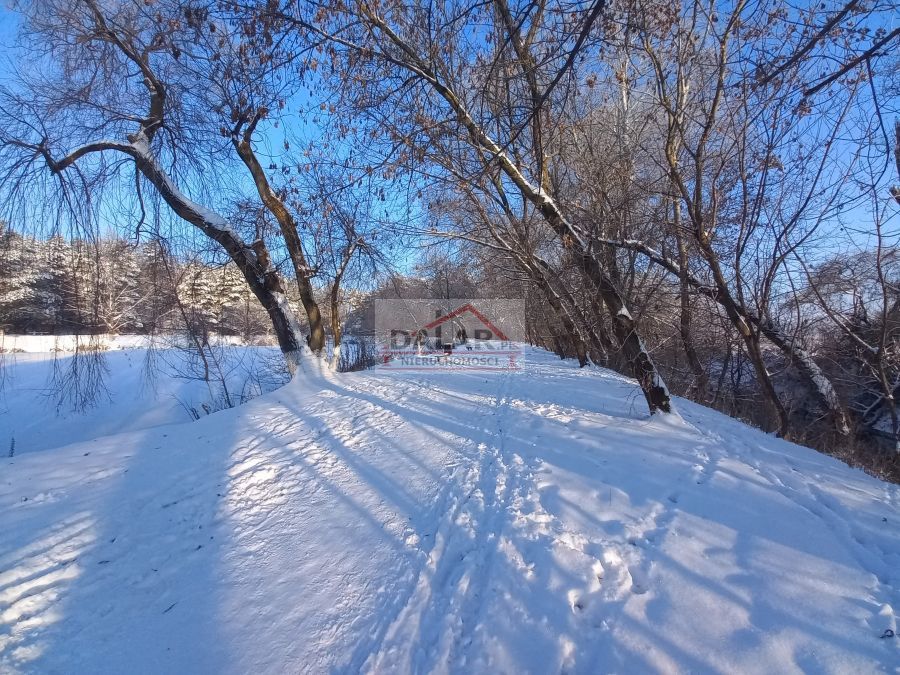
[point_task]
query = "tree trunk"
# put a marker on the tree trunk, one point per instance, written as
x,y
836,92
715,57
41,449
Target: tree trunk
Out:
x,y
597,343
639,361
568,328
742,318
253,261
782,419
316,339
736,315
754,352
809,369
288,227
701,385
335,307
613,351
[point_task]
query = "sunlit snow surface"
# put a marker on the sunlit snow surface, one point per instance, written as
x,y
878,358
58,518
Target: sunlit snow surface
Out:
x,y
140,388
535,521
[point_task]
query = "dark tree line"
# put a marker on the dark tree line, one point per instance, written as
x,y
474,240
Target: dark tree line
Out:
x,y
54,286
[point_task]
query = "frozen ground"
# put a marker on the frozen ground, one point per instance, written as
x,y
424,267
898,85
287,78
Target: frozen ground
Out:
x,y
535,521
141,388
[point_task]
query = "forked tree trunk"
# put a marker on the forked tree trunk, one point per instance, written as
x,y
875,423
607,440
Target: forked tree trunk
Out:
x,y
252,260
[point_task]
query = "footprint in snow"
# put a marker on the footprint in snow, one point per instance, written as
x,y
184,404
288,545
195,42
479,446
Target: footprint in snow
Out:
x,y
640,580
700,474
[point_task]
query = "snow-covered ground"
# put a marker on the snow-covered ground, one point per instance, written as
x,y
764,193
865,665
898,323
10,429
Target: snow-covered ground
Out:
x,y
68,343
141,388
532,521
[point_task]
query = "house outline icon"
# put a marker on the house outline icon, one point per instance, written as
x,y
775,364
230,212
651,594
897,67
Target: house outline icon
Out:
x,y
511,351
462,309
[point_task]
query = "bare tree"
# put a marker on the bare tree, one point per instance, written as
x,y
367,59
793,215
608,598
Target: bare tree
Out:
x,y
473,112
124,87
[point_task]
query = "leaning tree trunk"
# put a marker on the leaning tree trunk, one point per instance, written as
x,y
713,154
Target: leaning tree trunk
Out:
x,y
636,355
811,372
742,317
598,343
252,260
569,330
639,361
751,341
288,226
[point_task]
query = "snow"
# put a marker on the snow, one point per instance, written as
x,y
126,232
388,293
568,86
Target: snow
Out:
x,y
140,148
48,344
623,311
530,521
32,418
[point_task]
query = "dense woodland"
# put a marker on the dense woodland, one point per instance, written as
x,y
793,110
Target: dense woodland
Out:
x,y
701,195
51,286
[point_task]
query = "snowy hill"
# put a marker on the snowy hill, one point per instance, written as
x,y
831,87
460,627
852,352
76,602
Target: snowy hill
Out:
x,y
534,521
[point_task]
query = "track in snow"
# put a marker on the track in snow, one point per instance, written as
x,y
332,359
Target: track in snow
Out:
x,y
532,521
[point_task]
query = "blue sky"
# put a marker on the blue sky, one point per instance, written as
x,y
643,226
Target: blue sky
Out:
x,y
8,23
272,142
